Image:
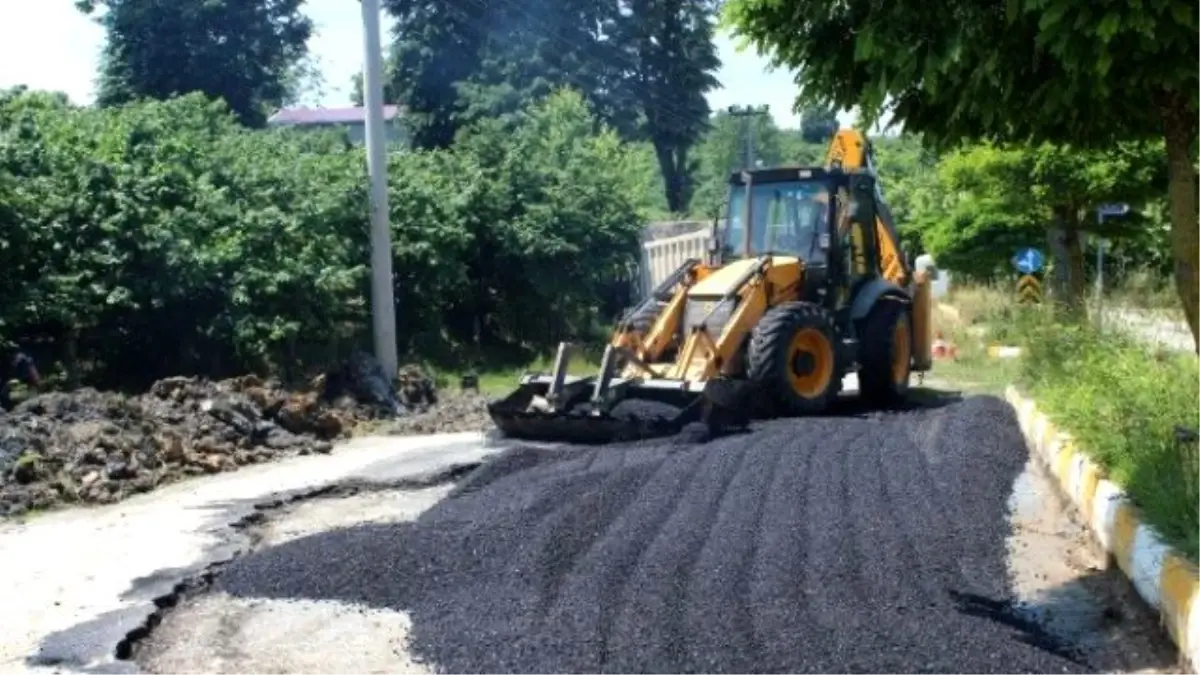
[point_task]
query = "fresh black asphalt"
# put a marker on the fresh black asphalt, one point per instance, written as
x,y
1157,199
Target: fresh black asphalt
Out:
x,y
853,543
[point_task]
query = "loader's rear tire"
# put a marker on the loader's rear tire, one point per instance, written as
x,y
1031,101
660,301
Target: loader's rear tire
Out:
x,y
885,353
793,359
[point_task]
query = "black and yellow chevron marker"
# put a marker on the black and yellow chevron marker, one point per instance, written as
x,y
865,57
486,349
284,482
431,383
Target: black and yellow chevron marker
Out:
x,y
1029,289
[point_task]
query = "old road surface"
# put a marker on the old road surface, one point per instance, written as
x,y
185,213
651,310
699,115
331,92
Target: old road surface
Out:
x,y
907,541
76,582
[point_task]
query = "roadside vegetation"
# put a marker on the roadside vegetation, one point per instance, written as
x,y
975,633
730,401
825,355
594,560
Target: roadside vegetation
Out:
x,y
1122,400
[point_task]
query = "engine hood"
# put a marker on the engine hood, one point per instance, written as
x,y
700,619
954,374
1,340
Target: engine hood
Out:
x,y
722,281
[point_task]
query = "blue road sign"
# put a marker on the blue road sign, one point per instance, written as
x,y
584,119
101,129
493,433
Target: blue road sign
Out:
x,y
1028,260
1113,209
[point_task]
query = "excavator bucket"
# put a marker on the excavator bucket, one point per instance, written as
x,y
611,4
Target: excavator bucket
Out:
x,y
605,409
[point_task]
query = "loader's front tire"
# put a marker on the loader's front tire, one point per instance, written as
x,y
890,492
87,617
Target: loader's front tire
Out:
x,y
642,321
793,358
885,353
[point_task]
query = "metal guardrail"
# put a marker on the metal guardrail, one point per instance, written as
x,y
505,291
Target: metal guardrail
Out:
x,y
661,257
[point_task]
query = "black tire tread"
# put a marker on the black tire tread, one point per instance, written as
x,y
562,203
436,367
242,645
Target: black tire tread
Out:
x,y
771,338
875,352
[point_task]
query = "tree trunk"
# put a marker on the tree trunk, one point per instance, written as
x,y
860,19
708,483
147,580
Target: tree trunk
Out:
x,y
1077,284
1068,282
1180,134
1060,275
672,178
72,359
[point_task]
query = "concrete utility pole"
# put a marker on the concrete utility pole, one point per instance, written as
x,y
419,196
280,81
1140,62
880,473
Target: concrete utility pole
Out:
x,y
383,302
1103,211
749,112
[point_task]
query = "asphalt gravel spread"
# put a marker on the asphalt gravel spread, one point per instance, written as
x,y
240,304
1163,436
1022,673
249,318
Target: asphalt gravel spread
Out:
x,y
854,543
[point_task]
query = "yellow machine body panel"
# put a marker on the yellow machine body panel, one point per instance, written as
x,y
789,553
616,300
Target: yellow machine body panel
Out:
x,y
707,352
783,269
922,320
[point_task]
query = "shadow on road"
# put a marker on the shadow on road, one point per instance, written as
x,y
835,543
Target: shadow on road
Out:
x,y
1095,620
919,398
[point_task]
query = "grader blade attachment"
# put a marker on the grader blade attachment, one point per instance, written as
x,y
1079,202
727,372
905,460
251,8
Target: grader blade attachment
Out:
x,y
527,415
605,409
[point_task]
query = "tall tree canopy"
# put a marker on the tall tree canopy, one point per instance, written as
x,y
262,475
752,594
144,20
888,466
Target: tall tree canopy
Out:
x,y
989,200
643,66
247,52
669,44
1024,70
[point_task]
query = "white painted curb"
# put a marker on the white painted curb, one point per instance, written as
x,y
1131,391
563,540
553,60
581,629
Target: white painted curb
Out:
x,y
1163,578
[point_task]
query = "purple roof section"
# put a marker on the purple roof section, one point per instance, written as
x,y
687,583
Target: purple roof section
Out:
x,y
328,115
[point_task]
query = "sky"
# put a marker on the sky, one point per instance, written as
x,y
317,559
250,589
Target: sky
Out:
x,y
48,44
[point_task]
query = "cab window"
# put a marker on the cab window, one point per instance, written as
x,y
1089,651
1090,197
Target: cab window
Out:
x,y
788,219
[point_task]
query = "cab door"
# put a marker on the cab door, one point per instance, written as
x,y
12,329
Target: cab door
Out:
x,y
863,247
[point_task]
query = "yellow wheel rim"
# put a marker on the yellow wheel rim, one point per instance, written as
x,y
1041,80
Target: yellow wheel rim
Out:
x,y
810,348
901,351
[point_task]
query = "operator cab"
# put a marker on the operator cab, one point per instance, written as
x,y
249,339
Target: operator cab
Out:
x,y
825,218
788,210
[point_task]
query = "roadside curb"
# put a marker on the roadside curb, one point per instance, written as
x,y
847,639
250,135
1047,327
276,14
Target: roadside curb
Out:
x,y
1163,578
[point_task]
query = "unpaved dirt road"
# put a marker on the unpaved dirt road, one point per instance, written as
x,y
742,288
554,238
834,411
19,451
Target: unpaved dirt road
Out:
x,y
905,542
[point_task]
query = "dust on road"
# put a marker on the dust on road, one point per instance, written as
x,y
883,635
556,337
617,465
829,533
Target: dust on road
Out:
x,y
877,543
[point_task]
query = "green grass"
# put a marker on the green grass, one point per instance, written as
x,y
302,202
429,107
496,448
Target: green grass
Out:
x,y
1120,399
976,325
1123,402
497,381
1146,291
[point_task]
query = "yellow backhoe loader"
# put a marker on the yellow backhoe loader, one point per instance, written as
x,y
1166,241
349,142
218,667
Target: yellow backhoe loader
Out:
x,y
806,282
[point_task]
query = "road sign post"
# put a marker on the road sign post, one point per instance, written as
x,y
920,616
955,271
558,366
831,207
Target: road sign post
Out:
x,y
1103,211
1029,261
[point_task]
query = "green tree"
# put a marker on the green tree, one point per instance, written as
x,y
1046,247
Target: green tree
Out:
x,y
248,247
1039,70
556,221
907,176
241,51
723,151
670,46
992,200
644,68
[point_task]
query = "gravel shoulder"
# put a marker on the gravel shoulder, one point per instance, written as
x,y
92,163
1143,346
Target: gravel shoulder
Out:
x,y
865,542
89,576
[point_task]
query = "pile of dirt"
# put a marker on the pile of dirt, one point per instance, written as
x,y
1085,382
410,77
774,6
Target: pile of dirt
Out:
x,y
96,447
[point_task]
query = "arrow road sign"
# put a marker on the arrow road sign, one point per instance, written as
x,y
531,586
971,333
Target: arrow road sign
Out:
x,y
1029,290
1028,260
1113,209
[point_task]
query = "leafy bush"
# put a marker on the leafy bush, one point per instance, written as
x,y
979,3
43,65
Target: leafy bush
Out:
x,y
160,237
1123,403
